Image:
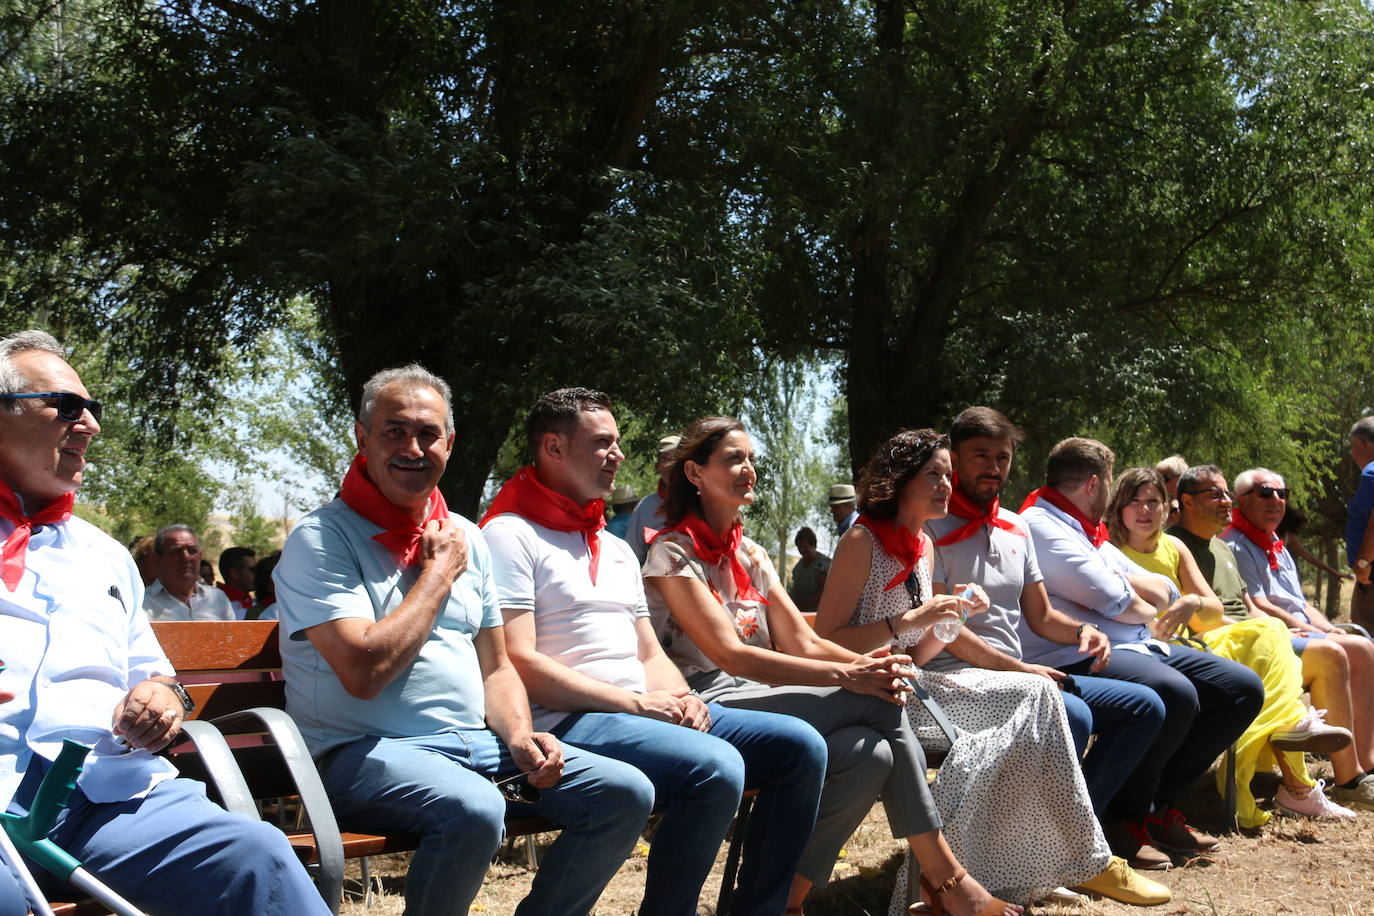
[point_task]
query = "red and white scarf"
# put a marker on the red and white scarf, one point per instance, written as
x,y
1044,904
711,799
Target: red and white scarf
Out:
x,y
904,547
1094,531
525,496
961,506
17,544
400,535
711,549
1268,543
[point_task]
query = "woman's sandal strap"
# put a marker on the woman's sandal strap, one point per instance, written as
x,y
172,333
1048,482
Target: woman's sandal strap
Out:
x,y
950,882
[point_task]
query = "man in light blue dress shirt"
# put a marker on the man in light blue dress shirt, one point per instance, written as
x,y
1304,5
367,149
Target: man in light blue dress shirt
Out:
x,y
79,654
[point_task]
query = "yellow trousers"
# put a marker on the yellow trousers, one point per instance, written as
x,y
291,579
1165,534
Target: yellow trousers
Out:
x,y
1262,644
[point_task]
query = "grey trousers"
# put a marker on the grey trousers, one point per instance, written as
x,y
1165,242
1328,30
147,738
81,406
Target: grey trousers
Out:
x,y
872,752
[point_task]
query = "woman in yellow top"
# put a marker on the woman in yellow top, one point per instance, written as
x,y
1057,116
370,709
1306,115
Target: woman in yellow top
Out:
x,y
1284,727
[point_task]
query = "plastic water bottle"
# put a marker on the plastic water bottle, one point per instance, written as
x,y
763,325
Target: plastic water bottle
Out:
x,y
947,630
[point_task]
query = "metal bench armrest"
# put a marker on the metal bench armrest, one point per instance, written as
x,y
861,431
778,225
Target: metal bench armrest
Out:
x,y
301,766
220,765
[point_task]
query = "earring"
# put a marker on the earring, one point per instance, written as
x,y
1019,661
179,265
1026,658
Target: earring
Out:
x,y
698,491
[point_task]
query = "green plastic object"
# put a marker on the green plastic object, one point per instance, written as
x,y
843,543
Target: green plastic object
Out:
x,y
30,832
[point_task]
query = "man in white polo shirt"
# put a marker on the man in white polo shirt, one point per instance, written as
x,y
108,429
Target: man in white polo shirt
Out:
x,y
578,631
178,593
78,649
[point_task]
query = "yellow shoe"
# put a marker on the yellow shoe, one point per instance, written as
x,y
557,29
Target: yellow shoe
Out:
x,y
1120,882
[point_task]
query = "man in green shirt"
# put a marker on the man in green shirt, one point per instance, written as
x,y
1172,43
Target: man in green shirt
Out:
x,y
1204,504
1204,509
808,576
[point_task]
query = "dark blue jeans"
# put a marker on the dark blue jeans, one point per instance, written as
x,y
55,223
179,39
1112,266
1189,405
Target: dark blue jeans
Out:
x,y
1208,702
697,782
1126,718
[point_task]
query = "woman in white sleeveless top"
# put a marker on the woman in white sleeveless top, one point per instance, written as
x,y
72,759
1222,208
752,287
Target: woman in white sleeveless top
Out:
x,y
1016,809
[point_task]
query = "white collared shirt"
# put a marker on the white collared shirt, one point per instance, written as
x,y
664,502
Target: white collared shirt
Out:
x,y
75,640
206,604
1088,583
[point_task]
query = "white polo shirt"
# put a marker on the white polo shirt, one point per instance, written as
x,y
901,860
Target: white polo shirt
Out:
x,y
590,628
75,639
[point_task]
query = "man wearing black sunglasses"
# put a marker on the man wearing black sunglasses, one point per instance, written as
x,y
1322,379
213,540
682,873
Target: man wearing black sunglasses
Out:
x,y
77,647
1329,657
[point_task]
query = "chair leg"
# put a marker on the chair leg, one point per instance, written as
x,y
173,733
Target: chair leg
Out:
x,y
364,864
732,856
532,851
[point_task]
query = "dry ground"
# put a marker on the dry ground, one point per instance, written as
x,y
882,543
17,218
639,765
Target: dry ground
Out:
x,y
1289,867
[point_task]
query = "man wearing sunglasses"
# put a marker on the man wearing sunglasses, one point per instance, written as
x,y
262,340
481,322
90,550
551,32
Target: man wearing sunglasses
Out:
x,y
1205,502
1328,655
78,648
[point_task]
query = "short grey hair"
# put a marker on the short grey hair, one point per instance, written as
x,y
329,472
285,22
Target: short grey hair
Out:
x,y
171,529
1363,429
412,375
12,381
1245,480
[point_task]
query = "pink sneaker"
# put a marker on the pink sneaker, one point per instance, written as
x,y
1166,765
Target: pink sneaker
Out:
x,y
1313,804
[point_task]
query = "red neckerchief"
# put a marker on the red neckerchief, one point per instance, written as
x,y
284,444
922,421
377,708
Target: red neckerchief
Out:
x,y
711,549
236,597
400,534
961,506
525,496
1093,531
17,544
896,540
1269,543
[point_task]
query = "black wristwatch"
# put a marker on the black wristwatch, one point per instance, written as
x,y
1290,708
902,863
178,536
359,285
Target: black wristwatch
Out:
x,y
187,704
1078,633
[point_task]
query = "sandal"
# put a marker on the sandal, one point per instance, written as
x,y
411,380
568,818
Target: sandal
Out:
x,y
994,906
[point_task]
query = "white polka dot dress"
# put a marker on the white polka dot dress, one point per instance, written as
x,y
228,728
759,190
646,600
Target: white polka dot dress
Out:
x,y
1016,809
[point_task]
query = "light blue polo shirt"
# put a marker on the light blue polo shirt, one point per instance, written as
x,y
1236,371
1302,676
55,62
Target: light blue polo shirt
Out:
x,y
331,569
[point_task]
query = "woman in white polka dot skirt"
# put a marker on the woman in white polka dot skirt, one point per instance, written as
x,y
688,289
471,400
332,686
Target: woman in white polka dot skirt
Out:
x,y
1011,792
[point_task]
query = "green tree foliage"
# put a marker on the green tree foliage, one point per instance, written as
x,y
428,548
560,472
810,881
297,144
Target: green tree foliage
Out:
x,y
791,482
447,182
1099,216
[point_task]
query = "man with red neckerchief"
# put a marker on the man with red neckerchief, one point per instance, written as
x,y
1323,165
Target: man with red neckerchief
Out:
x,y
579,632
1208,701
982,541
1271,580
396,671
78,648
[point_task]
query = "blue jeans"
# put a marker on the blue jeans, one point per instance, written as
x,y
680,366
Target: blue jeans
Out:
x,y
439,786
1126,717
172,851
1208,702
698,779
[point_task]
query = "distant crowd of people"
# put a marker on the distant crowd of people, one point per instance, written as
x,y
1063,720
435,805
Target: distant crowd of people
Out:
x,y
448,674
179,582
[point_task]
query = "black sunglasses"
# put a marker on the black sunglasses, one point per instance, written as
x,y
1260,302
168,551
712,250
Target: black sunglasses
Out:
x,y
1266,492
70,406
